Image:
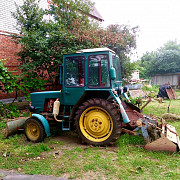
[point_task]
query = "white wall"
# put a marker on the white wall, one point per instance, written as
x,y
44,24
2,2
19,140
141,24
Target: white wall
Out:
x,y
173,79
7,22
135,75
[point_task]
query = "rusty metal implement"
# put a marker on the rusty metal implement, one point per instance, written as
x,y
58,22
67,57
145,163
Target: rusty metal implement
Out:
x,y
168,141
158,137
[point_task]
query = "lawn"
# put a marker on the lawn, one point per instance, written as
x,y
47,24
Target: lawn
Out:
x,y
66,157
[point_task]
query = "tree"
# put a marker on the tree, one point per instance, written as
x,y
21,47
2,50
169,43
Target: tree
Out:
x,y
44,42
33,30
121,39
165,60
145,64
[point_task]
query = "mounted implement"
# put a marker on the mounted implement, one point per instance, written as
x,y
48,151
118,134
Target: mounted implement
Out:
x,y
91,101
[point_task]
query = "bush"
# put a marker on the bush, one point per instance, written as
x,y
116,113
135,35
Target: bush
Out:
x,y
8,111
155,88
8,82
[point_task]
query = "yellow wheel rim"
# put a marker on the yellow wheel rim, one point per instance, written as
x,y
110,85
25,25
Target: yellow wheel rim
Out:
x,y
32,131
96,124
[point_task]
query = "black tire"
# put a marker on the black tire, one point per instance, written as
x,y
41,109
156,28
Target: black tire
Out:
x,y
34,130
98,122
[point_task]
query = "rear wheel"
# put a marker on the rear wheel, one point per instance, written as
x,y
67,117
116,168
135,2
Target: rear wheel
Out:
x,y
34,130
98,122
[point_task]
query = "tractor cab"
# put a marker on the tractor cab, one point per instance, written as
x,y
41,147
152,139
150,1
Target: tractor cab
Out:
x,y
87,70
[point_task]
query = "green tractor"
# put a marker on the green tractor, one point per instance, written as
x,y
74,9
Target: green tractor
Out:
x,y
91,102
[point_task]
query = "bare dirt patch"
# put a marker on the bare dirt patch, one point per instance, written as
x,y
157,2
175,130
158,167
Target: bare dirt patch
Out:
x,y
171,117
91,175
71,140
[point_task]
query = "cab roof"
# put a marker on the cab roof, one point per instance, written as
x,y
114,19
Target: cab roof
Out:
x,y
94,50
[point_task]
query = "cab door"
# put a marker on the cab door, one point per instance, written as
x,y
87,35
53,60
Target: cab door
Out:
x,y
98,71
74,79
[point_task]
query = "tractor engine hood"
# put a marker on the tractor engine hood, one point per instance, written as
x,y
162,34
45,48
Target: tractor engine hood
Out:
x,y
38,98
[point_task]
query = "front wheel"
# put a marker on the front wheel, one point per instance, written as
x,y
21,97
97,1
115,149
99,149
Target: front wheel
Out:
x,y
34,130
98,122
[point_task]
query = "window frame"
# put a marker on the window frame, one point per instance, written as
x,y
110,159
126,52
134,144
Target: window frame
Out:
x,y
99,87
116,57
66,71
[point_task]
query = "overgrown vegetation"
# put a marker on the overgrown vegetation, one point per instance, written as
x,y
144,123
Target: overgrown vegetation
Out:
x,y
8,111
150,92
8,83
153,88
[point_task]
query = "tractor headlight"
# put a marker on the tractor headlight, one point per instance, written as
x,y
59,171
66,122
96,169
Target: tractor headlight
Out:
x,y
31,108
125,89
119,90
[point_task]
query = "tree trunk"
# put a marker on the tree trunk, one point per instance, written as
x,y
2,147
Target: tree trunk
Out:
x,y
13,126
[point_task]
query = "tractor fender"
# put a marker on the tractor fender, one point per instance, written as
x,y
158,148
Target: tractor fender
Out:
x,y
123,112
87,95
44,122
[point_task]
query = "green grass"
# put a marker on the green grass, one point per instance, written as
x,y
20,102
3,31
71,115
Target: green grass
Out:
x,y
158,109
178,92
126,160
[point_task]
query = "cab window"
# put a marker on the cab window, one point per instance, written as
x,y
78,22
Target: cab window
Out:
x,y
74,71
117,66
98,71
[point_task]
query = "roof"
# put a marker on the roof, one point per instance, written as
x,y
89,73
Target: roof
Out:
x,y
94,50
95,14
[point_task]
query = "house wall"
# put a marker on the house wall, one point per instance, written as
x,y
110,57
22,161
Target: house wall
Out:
x,y
173,79
8,51
7,22
8,48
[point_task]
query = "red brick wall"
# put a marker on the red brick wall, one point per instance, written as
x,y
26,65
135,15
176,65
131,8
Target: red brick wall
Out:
x,y
8,51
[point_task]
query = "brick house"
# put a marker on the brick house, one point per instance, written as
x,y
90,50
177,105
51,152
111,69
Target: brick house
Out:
x,y
9,49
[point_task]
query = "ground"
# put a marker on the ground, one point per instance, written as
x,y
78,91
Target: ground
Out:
x,y
66,157
63,155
